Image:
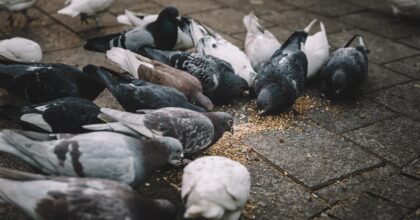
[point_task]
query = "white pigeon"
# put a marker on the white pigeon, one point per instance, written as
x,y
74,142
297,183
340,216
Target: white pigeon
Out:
x,y
317,50
208,42
408,10
20,50
138,19
260,44
85,8
215,188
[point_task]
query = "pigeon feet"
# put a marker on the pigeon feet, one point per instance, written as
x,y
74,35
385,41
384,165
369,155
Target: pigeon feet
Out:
x,y
84,19
11,20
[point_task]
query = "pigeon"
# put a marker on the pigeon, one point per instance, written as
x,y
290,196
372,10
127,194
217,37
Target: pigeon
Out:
x,y
85,9
163,34
138,19
64,115
317,50
134,94
345,70
20,50
407,10
39,82
17,5
260,44
215,187
211,43
217,76
52,198
196,131
280,82
106,155
158,73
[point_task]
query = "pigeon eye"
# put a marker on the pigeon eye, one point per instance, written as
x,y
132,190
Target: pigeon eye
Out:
x,y
214,45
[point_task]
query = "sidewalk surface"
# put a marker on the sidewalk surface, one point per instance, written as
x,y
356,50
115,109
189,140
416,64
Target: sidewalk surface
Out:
x,y
353,160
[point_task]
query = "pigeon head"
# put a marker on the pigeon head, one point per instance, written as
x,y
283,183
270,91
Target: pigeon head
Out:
x,y
274,98
165,209
175,150
222,122
295,42
231,86
339,81
169,12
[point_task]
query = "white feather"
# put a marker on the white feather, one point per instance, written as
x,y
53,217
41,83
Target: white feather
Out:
x,y
217,188
88,7
37,120
127,60
260,44
406,8
20,50
317,51
16,5
131,18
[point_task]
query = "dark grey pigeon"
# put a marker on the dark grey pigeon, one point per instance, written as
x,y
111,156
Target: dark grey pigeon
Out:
x,y
134,94
216,76
345,70
105,155
64,115
281,81
38,82
196,131
53,198
162,33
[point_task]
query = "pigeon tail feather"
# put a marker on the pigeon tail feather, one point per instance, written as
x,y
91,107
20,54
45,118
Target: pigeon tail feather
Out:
x,y
205,209
68,11
100,44
127,60
251,23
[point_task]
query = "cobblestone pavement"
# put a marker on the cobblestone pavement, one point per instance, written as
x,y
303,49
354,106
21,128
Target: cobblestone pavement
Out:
x,y
357,160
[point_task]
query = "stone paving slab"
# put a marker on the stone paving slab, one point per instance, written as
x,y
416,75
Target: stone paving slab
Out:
x,y
342,117
409,66
413,41
396,140
106,20
355,185
134,5
380,77
381,49
327,7
401,190
190,6
367,207
258,7
278,197
381,23
402,98
375,5
311,154
413,169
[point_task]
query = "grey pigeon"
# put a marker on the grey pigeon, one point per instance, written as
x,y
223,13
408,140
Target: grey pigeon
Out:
x,y
65,115
105,155
345,70
196,131
281,80
53,198
134,94
215,187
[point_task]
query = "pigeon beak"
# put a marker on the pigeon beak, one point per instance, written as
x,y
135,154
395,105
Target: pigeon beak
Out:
x,y
231,130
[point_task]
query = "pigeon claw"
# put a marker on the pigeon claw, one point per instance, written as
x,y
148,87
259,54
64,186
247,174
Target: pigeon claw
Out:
x,y
84,19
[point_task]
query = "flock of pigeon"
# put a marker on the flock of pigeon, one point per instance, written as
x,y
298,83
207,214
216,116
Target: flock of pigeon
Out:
x,y
168,95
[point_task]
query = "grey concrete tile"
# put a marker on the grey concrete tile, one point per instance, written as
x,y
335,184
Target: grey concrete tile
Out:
x,y
380,77
409,66
381,24
413,41
258,7
327,7
277,197
355,185
49,6
20,21
396,140
311,154
103,31
106,20
342,117
403,98
401,190
413,169
375,5
415,215
299,19
51,37
191,6
134,5
381,50
367,207
226,20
